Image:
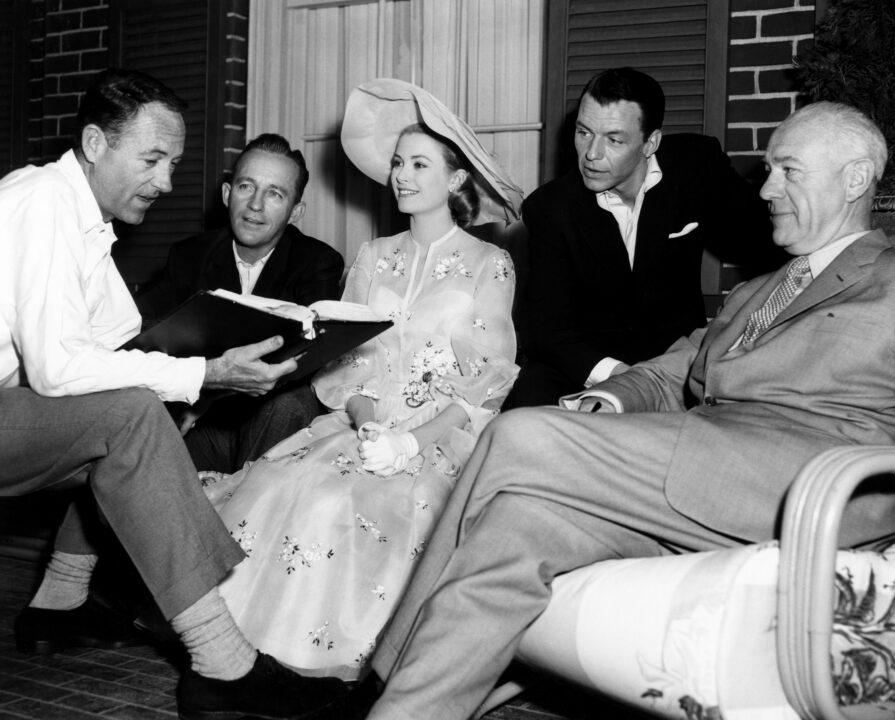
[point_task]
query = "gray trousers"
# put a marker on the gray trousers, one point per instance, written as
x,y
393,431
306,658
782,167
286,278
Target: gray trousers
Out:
x,y
545,491
124,446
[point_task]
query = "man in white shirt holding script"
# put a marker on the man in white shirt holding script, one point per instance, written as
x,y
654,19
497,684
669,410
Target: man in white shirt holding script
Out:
x,y
74,411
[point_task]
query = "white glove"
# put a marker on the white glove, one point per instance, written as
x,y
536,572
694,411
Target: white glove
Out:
x,y
370,430
389,453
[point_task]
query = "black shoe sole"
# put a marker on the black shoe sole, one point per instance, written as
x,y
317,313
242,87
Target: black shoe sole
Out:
x,y
48,646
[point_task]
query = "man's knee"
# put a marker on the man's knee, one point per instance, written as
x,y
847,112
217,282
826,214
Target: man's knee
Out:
x,y
138,406
518,427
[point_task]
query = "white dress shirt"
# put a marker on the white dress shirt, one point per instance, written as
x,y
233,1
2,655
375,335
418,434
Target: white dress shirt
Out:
x,y
627,219
249,272
64,307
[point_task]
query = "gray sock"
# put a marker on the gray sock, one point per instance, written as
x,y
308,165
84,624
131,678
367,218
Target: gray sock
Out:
x,y
217,648
65,583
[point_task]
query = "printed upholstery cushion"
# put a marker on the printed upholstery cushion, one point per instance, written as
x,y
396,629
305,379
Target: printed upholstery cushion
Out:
x,y
693,636
863,642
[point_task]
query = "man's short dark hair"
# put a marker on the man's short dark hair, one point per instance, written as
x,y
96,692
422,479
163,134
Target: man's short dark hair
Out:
x,y
278,145
115,97
626,83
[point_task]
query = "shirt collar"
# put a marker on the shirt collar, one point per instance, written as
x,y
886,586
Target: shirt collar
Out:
x,y
91,216
820,258
650,180
260,261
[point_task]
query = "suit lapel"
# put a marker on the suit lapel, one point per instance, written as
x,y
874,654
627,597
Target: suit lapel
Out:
x,y
846,269
598,230
221,272
270,281
651,226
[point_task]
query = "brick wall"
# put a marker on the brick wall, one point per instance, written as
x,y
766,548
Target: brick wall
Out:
x,y
69,44
236,35
764,37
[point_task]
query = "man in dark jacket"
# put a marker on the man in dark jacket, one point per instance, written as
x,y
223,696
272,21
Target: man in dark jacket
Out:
x,y
263,253
616,246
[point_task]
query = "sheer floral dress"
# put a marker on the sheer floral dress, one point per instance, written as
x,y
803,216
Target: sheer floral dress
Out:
x,y
330,546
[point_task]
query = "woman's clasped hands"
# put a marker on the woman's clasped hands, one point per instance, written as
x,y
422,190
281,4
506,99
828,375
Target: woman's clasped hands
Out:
x,y
385,452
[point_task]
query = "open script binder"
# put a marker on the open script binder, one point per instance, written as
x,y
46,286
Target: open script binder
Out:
x,y
211,322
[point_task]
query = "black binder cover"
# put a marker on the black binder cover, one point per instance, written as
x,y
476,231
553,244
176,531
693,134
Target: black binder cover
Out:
x,y
207,325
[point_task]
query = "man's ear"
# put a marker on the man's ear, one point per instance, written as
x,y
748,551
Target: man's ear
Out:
x,y
93,142
225,193
652,143
859,178
297,212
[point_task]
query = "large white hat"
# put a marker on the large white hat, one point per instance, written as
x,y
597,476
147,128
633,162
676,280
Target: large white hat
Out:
x,y
378,110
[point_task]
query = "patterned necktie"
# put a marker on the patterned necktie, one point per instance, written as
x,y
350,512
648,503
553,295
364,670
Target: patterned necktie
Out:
x,y
798,274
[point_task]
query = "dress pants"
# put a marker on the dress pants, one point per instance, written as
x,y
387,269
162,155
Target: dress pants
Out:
x,y
545,491
124,446
240,428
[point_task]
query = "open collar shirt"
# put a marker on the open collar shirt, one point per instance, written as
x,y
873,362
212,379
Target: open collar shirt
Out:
x,y
628,217
249,272
64,306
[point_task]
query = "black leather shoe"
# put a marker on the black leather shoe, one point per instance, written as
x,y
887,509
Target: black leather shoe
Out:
x,y
356,704
268,692
91,625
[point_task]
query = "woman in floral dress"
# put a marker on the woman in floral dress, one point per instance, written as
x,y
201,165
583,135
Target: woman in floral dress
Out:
x,y
333,519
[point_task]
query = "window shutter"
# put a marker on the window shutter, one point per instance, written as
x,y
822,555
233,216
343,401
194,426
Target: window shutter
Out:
x,y
169,39
664,38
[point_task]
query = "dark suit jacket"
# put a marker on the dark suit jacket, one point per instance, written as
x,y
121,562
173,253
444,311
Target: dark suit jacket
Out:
x,y
301,269
822,375
584,302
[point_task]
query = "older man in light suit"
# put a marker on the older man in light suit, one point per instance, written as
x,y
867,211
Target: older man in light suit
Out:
x,y
705,442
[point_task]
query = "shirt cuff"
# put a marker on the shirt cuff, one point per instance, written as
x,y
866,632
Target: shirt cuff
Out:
x,y
602,370
193,378
573,402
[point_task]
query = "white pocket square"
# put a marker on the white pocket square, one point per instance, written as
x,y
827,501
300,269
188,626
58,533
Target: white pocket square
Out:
x,y
689,227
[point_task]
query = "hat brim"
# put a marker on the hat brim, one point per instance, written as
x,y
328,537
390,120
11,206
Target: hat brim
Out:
x,y
378,110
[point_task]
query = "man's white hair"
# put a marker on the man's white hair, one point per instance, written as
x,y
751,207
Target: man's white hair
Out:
x,y
856,135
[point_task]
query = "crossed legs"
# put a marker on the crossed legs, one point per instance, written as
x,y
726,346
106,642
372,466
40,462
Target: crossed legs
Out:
x,y
140,475
546,491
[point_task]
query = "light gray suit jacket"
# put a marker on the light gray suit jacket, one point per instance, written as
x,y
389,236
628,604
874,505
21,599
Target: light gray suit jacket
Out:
x,y
822,375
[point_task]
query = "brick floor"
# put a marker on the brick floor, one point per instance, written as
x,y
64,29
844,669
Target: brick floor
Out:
x,y
138,683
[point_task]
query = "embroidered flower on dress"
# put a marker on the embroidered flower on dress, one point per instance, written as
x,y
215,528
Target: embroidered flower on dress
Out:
x,y
398,267
502,269
478,323
369,526
451,265
245,538
366,392
476,365
320,637
422,505
413,470
417,552
344,463
364,656
427,368
379,591
443,464
299,454
355,360
381,265
292,552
